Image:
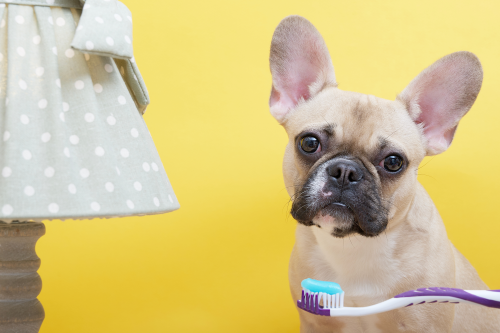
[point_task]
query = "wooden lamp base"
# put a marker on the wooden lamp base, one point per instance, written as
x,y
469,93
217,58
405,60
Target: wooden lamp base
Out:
x,y
20,284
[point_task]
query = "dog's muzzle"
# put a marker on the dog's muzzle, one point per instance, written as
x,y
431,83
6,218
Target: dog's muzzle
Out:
x,y
344,189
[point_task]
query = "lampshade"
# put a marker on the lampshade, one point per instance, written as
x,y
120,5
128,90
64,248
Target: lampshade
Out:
x,y
73,143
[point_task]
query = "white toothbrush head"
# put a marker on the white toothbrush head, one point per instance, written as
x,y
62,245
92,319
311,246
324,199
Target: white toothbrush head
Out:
x,y
319,297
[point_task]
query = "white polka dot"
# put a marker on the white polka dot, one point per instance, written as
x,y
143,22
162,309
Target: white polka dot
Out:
x,y
61,116
117,171
110,41
7,209
127,39
145,166
99,20
27,155
66,152
118,17
108,68
53,208
170,198
111,120
156,201
122,100
42,104
54,50
95,206
124,152
134,132
154,166
50,2
65,106
138,186
60,21
19,19
49,172
84,173
58,83
6,172
2,24
69,53
87,56
46,137
51,20
109,187
29,191
74,139
23,85
98,88
6,135
122,70
129,18
132,60
72,188
89,45
99,151
39,71
37,39
89,117
24,119
130,204
79,85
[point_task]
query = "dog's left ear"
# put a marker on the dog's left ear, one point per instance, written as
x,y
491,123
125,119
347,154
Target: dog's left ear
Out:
x,y
441,95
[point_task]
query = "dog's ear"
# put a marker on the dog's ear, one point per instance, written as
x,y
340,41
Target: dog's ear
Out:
x,y
441,95
300,65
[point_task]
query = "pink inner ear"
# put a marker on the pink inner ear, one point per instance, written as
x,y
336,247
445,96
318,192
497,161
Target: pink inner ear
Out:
x,y
437,112
302,70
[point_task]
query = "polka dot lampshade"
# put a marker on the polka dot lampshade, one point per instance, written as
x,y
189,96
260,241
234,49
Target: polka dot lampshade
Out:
x,y
73,143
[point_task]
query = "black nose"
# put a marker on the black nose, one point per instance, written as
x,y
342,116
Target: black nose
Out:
x,y
345,172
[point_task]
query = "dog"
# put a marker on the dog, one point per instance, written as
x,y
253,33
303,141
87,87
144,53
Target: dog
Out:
x,y
350,168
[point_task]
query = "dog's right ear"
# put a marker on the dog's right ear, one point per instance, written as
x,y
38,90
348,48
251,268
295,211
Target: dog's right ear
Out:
x,y
300,65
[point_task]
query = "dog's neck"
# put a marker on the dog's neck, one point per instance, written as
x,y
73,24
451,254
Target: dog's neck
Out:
x,y
378,265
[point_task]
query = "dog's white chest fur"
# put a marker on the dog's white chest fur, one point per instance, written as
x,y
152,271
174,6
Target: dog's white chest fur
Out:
x,y
366,268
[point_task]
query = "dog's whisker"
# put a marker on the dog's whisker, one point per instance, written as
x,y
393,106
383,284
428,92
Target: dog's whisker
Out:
x,y
429,161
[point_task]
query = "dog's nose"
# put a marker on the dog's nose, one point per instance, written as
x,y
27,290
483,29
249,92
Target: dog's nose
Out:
x,y
345,172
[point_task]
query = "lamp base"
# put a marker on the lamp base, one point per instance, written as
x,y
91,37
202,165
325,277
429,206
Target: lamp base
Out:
x,y
20,284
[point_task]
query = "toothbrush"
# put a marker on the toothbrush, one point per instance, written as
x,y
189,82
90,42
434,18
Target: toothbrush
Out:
x,y
327,299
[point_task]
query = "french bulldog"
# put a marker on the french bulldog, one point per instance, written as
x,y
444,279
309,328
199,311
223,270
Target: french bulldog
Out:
x,y
350,167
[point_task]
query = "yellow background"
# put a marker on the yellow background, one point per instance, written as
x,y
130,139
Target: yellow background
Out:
x,y
219,264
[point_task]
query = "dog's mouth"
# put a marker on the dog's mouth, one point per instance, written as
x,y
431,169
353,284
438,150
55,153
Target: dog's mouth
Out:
x,y
339,218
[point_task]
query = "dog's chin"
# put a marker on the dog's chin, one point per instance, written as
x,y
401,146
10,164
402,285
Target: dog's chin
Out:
x,y
338,220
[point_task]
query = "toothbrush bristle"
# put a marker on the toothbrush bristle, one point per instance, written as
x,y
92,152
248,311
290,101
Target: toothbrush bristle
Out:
x,y
311,302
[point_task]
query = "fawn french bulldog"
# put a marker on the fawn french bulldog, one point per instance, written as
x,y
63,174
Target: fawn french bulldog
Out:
x,y
351,169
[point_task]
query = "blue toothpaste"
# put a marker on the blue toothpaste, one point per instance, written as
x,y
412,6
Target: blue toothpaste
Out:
x,y
316,286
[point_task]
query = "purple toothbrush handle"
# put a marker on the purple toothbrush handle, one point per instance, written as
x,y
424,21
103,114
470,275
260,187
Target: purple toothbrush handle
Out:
x,y
453,292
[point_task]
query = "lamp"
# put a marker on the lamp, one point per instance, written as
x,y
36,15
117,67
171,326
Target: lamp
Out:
x,y
73,143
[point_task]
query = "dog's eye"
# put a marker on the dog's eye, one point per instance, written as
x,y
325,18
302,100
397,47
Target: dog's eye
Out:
x,y
393,163
310,144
